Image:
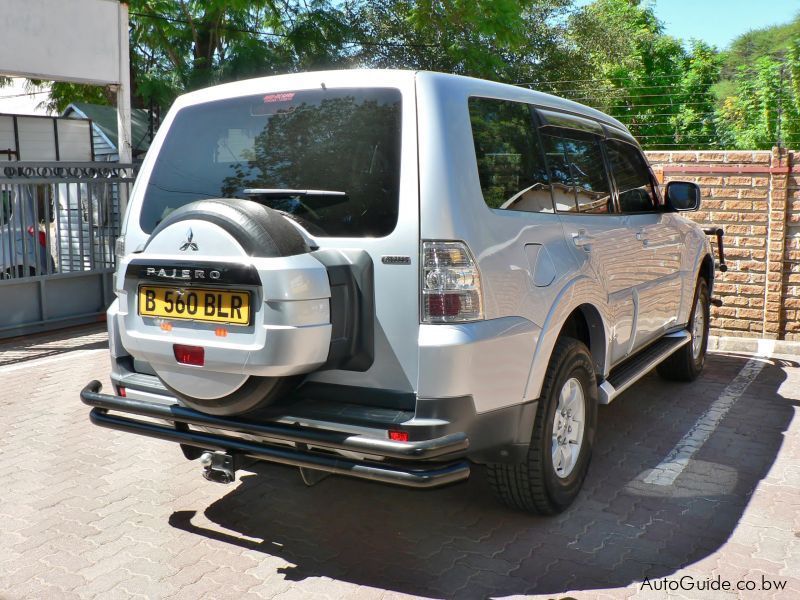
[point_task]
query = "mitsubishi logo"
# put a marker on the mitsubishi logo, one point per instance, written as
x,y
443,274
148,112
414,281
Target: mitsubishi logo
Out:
x,y
189,244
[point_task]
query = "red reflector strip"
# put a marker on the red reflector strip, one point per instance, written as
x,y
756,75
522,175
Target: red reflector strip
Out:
x,y
444,305
398,436
123,392
189,355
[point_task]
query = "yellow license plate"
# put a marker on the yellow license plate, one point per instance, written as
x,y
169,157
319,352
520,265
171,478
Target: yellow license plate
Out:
x,y
196,304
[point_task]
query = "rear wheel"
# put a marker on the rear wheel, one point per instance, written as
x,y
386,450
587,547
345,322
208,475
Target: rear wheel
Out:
x,y
687,363
550,478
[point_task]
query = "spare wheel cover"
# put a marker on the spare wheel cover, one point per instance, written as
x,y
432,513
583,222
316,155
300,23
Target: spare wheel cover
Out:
x,y
248,229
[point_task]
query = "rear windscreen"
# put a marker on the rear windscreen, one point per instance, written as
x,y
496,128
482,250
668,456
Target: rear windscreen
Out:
x,y
330,159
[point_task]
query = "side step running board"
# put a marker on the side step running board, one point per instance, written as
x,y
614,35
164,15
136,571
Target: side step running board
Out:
x,y
625,375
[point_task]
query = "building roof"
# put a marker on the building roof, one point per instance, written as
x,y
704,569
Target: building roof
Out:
x,y
104,119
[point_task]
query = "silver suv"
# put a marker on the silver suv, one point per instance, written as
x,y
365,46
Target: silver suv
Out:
x,y
396,275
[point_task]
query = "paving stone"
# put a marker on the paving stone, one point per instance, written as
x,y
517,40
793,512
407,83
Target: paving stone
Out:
x,y
94,513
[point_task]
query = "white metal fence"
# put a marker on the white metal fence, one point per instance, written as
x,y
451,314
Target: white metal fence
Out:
x,y
58,226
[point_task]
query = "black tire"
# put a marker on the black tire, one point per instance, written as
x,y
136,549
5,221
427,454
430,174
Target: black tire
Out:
x,y
256,393
683,365
533,485
261,231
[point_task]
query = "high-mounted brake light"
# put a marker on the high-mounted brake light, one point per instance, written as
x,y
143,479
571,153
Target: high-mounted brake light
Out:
x,y
189,355
451,284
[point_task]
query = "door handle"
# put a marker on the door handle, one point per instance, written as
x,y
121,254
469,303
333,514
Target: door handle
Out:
x,y
642,237
582,240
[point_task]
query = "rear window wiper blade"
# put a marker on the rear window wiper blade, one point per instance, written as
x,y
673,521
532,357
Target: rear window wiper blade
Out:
x,y
286,193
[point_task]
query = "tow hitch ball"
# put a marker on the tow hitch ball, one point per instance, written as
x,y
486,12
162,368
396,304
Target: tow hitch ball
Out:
x,y
218,467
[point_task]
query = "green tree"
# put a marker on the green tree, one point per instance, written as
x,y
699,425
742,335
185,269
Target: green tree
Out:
x,y
646,79
695,121
765,106
505,40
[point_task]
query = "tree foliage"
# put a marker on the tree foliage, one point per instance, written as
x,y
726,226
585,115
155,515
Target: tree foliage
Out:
x,y
765,106
611,54
505,40
645,78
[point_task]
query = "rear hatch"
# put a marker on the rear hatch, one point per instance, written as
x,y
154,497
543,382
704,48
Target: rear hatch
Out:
x,y
346,142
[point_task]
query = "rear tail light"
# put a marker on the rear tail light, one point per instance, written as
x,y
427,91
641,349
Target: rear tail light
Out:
x,y
189,355
451,284
119,248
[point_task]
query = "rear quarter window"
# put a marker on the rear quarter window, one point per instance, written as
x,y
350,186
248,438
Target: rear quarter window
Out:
x,y
510,163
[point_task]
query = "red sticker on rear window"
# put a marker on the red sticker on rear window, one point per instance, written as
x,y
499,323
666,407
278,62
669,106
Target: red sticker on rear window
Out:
x,y
281,97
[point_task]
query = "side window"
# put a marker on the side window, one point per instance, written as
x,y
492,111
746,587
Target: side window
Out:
x,y
576,165
632,177
555,148
510,165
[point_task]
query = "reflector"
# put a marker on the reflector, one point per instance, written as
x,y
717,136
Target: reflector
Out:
x,y
189,355
398,436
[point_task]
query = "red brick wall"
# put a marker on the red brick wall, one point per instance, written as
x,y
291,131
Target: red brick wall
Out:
x,y
755,197
791,266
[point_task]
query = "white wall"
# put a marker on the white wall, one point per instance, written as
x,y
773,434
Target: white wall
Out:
x,y
63,40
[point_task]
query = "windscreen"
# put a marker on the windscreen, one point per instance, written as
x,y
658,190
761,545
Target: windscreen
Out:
x,y
330,159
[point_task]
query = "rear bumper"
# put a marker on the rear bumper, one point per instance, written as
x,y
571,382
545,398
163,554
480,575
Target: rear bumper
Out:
x,y
416,464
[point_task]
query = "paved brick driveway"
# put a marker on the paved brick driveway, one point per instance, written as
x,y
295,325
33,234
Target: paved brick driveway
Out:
x,y
87,512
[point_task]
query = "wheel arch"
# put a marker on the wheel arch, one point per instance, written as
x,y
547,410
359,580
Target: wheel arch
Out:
x,y
707,270
581,311
585,324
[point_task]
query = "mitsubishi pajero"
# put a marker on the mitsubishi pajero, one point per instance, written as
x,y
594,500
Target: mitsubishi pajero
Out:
x,y
398,275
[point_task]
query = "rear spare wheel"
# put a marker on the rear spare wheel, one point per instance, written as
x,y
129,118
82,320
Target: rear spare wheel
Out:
x,y
227,305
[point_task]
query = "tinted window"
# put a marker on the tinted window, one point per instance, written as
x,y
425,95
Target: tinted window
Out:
x,y
632,177
576,163
510,164
556,151
334,140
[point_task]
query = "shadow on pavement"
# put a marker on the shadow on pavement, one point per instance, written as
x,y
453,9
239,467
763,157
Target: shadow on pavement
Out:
x,y
45,345
458,542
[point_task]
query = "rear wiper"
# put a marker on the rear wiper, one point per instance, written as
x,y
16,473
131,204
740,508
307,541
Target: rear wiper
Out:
x,y
284,193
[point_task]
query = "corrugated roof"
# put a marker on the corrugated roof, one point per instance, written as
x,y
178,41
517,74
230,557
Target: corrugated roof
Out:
x,y
104,118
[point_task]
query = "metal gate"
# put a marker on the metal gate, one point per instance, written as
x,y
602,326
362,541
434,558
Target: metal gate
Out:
x,y
58,227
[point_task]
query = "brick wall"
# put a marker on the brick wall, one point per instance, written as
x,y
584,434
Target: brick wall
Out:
x,y
755,197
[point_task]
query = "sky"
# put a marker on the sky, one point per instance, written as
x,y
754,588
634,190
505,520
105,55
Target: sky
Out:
x,y
718,22
14,100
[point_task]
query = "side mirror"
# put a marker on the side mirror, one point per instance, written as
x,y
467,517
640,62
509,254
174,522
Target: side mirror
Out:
x,y
682,196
